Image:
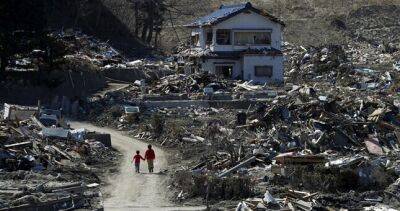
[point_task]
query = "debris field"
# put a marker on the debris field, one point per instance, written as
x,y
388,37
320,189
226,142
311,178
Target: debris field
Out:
x,y
47,166
329,138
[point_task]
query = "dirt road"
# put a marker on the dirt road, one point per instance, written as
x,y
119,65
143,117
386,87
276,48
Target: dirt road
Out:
x,y
131,191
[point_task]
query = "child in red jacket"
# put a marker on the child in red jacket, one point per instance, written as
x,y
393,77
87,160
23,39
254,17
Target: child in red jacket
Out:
x,y
136,159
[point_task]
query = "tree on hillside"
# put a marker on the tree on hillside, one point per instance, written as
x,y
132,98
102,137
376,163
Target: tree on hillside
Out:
x,y
149,18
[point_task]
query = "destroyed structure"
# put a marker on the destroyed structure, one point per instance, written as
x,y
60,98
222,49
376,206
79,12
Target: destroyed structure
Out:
x,y
45,165
329,139
237,42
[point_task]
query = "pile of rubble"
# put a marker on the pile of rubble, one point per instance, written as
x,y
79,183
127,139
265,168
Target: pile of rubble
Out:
x,y
328,139
315,138
309,147
79,46
348,66
71,50
45,166
354,140
68,45
194,83
193,86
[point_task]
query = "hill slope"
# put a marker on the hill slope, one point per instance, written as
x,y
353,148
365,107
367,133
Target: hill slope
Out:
x,y
308,22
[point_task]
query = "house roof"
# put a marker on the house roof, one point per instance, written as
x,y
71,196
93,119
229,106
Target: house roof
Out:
x,y
226,12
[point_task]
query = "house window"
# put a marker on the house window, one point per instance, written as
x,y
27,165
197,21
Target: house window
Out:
x,y
209,38
224,71
223,37
252,38
263,71
195,40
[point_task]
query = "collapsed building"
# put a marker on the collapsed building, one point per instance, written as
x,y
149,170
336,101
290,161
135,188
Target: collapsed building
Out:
x,y
45,165
328,139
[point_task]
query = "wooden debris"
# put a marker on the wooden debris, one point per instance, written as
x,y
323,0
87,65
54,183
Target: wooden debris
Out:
x,y
240,165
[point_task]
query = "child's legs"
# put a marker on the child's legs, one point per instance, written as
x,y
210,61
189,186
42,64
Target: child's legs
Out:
x,y
137,167
150,164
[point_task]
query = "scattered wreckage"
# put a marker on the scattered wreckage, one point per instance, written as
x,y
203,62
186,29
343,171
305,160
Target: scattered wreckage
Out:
x,y
48,167
329,138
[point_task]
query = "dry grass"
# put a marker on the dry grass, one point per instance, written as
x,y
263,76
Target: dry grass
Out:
x,y
308,21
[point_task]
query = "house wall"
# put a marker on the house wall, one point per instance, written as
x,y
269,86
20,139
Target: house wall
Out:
x,y
209,66
250,61
249,21
202,38
244,67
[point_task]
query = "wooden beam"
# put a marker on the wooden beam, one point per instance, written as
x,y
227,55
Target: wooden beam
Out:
x,y
65,155
240,165
28,144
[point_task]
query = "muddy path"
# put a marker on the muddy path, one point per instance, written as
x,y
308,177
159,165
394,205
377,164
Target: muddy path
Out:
x,y
128,190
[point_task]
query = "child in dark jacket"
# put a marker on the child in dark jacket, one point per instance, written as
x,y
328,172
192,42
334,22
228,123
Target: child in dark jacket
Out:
x,y
136,160
150,156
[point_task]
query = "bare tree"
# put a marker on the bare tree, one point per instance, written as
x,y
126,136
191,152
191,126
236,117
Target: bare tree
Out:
x,y
149,18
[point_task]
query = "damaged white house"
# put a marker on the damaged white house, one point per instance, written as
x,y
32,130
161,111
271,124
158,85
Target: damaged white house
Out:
x,y
238,42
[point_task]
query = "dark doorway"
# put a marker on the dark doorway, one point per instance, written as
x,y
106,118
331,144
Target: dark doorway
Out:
x,y
224,71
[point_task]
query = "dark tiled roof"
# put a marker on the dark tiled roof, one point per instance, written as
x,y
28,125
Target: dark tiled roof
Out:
x,y
225,12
